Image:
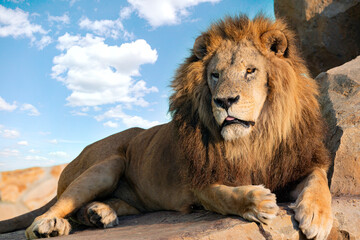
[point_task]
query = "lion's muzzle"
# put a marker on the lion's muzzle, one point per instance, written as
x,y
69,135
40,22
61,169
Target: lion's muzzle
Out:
x,y
231,120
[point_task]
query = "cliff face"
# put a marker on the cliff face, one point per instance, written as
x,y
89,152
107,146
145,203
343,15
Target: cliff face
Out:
x,y
27,189
340,104
328,30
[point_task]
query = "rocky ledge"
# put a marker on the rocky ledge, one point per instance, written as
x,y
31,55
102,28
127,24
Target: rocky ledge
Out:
x,y
207,225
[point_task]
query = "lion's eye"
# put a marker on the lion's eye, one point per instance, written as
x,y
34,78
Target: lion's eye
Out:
x,y
250,70
215,76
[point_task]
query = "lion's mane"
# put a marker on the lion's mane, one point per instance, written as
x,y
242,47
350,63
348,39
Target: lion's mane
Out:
x,y
286,142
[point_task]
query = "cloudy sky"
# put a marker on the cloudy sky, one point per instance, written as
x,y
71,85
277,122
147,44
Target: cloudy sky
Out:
x,y
75,71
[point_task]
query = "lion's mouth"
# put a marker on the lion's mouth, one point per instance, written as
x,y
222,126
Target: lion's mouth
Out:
x,y
231,120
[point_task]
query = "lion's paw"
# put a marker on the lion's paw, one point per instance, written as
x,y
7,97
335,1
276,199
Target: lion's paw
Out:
x,y
102,215
315,219
44,227
260,205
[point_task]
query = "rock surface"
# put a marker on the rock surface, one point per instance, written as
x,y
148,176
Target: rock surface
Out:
x,y
328,30
206,225
27,189
340,102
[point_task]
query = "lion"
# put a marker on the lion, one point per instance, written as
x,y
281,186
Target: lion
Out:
x,y
246,131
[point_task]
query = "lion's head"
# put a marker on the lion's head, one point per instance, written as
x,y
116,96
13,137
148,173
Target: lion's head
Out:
x,y
244,95
237,79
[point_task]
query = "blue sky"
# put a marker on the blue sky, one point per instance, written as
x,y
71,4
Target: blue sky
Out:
x,y
75,71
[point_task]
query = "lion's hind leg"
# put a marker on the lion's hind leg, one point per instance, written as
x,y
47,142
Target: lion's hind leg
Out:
x,y
104,214
98,181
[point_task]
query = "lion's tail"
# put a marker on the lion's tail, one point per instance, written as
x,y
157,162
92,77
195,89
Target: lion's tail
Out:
x,y
23,221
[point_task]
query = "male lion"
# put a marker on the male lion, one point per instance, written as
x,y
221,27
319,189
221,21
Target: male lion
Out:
x,y
246,123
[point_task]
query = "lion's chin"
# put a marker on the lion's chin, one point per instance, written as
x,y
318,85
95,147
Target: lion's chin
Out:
x,y
235,131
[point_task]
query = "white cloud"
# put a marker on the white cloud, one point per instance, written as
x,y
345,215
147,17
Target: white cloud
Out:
x,y
4,106
78,113
164,12
44,133
106,28
16,1
64,19
97,109
126,12
43,42
9,152
72,2
36,158
97,73
59,154
7,133
23,143
129,121
15,23
32,111
54,141
111,124
33,151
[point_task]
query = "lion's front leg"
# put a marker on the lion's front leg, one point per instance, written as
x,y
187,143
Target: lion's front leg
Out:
x,y
313,206
254,203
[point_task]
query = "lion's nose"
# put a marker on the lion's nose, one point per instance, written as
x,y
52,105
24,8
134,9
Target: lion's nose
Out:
x,y
226,102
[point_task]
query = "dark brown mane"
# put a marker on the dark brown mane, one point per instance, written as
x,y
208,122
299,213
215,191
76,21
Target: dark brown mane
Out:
x,y
285,143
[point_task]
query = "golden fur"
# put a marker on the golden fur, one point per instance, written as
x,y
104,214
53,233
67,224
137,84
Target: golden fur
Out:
x,y
287,139
245,122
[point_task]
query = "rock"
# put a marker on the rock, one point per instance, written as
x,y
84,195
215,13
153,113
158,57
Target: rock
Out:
x,y
347,213
207,225
27,189
41,194
10,210
328,30
340,105
14,183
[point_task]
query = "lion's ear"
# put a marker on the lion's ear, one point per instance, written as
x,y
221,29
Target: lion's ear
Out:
x,y
275,41
200,47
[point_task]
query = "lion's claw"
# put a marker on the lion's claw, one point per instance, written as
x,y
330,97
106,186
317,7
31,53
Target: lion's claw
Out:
x,y
261,205
315,221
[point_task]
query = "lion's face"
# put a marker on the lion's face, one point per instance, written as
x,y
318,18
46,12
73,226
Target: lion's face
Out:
x,y
237,79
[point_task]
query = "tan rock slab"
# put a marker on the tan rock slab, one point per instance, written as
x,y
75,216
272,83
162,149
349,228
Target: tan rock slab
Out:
x,y
210,226
340,105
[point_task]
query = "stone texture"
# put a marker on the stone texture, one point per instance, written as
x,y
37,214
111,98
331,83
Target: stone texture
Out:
x,y
41,194
328,30
27,189
340,103
11,187
205,225
347,213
